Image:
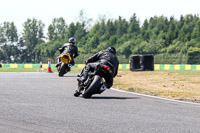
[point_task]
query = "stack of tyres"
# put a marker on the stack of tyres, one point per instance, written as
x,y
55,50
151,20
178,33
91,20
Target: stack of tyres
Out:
x,y
142,63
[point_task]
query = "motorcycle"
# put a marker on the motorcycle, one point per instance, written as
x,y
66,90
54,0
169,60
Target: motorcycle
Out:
x,y
94,84
64,64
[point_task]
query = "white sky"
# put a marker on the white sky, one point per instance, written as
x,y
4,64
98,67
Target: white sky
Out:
x,y
18,11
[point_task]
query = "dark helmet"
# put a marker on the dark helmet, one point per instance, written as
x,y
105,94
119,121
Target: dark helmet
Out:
x,y
72,40
111,50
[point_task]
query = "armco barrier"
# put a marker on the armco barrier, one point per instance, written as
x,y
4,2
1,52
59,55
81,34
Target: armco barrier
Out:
x,y
121,66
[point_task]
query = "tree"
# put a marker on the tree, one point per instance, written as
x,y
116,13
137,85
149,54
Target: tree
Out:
x,y
32,35
86,22
2,36
187,28
8,33
71,30
80,31
171,34
144,30
134,26
125,49
121,27
196,32
57,30
8,42
76,30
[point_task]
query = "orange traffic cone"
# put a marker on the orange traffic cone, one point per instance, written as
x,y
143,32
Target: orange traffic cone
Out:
x,y
49,66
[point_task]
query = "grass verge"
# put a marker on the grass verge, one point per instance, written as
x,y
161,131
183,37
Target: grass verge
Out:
x,y
180,85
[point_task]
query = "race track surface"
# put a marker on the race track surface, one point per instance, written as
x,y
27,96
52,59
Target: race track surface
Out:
x,y
44,103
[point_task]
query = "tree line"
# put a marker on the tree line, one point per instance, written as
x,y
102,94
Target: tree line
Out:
x,y
170,40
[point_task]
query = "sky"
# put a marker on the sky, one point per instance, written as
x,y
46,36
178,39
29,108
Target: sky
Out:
x,y
18,11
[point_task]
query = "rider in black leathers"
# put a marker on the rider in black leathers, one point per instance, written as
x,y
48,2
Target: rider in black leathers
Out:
x,y
71,49
107,57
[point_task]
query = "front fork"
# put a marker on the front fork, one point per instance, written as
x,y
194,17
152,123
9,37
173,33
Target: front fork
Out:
x,y
80,87
58,60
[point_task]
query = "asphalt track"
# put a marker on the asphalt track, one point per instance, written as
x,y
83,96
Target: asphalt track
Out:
x,y
44,103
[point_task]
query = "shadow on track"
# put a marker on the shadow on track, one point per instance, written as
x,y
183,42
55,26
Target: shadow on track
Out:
x,y
69,76
109,97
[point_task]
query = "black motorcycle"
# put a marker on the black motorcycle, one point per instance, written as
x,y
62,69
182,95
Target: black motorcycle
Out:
x,y
64,66
94,83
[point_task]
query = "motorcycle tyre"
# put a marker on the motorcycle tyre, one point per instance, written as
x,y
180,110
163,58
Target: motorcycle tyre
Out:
x,y
62,71
93,87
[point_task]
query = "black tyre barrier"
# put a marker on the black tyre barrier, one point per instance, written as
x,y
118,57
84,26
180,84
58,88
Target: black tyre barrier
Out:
x,y
142,63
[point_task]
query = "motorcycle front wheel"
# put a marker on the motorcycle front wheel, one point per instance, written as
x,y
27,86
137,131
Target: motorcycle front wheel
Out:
x,y
92,89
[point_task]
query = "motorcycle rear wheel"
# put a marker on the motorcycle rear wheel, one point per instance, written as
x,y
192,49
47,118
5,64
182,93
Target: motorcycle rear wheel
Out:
x,y
62,71
92,89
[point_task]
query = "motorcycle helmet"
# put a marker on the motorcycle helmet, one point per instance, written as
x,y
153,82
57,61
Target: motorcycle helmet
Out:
x,y
111,50
72,40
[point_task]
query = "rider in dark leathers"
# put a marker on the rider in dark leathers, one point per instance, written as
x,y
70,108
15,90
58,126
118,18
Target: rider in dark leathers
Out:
x,y
71,49
107,57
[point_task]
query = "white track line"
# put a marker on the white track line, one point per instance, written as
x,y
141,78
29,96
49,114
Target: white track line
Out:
x,y
139,94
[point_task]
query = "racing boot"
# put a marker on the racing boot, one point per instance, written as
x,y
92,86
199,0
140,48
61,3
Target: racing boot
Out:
x,y
58,64
78,92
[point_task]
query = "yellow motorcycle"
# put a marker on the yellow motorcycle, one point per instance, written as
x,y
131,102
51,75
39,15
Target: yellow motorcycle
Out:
x,y
65,66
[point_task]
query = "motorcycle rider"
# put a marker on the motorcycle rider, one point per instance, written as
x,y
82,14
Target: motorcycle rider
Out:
x,y
103,58
69,48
